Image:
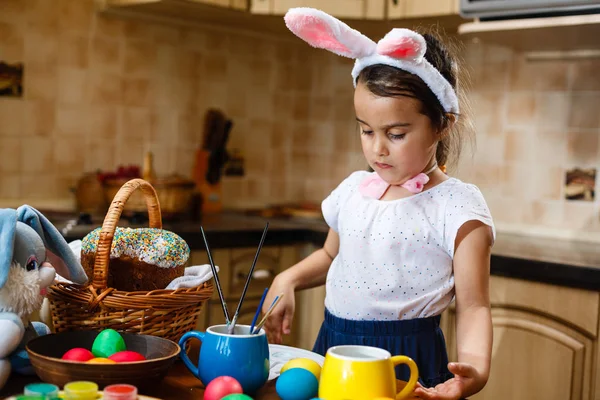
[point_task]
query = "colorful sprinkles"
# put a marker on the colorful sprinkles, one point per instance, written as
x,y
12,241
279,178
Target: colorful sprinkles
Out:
x,y
158,247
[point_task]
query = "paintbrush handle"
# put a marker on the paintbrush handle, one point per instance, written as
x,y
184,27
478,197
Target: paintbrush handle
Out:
x,y
260,245
268,313
215,277
258,310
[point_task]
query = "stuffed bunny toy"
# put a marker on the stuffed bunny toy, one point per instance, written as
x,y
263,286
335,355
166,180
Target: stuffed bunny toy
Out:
x,y
32,252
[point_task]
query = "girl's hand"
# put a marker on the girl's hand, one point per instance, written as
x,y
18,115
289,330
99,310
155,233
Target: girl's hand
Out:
x,y
466,378
280,320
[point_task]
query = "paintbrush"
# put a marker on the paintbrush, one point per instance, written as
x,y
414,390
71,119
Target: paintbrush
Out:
x,y
262,300
235,316
269,311
216,277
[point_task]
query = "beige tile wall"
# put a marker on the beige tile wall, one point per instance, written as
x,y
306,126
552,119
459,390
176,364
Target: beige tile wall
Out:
x,y
534,120
99,92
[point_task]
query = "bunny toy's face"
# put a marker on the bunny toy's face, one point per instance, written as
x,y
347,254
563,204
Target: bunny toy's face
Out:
x,y
29,274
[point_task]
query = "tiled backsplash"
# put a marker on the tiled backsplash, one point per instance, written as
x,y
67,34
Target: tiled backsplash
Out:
x,y
99,92
535,120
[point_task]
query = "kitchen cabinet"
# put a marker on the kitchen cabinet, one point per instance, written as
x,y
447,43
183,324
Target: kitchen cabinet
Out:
x,y
262,15
239,4
569,33
234,265
372,17
216,13
311,306
172,4
221,3
398,9
545,342
350,9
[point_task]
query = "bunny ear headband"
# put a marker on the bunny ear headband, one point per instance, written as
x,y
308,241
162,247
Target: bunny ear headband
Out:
x,y
400,48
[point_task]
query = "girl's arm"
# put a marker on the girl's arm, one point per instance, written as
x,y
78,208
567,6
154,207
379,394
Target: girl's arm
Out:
x,y
308,273
473,317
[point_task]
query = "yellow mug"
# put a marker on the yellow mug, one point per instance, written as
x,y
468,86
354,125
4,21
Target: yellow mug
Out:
x,y
363,373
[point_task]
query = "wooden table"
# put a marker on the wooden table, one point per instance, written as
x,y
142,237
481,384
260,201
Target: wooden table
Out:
x,y
179,384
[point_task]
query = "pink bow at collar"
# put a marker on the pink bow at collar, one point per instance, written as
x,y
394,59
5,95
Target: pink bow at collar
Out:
x,y
373,186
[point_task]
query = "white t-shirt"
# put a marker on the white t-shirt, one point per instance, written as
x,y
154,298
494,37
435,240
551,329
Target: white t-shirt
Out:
x,y
395,257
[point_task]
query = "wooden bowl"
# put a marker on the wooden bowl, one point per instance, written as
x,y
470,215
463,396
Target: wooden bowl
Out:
x,y
45,353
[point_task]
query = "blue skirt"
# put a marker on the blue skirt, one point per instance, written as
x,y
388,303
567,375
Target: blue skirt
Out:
x,y
420,339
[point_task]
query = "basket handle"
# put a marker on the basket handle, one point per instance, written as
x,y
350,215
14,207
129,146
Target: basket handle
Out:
x,y
110,224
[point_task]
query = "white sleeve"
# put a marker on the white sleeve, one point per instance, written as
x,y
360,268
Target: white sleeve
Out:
x,y
465,204
333,203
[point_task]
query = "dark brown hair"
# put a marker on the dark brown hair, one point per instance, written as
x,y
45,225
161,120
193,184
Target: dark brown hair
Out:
x,y
387,81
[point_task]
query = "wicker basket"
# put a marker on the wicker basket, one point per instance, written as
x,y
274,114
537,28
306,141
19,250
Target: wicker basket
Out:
x,y
164,313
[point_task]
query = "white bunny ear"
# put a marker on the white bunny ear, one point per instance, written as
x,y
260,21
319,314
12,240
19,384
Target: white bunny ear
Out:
x,y
403,44
323,31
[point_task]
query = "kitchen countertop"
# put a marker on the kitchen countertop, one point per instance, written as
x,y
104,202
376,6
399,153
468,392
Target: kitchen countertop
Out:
x,y
555,261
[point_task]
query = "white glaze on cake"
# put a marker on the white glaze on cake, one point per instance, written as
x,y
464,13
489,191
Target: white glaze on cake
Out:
x,y
153,246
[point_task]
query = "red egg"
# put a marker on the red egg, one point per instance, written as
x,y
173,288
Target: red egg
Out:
x,y
78,354
127,356
221,387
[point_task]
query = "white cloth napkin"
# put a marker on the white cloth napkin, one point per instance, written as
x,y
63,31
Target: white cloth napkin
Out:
x,y
75,246
193,276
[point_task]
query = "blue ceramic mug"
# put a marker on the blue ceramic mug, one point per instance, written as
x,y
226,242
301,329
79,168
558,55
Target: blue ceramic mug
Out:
x,y
242,356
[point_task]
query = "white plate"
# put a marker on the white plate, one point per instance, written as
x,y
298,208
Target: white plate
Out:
x,y
279,355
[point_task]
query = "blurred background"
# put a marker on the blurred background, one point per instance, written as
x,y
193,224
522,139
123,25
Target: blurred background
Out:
x,y
103,83
234,120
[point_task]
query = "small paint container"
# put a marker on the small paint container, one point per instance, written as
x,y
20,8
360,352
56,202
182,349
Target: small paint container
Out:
x,y
120,392
42,390
81,390
31,397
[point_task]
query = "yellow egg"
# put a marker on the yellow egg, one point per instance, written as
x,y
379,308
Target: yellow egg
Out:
x,y
100,360
305,363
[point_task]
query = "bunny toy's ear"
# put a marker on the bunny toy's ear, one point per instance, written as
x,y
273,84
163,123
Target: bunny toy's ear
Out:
x,y
323,31
8,224
55,243
403,44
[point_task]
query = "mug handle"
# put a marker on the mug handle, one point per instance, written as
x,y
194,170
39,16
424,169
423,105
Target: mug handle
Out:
x,y
186,360
414,375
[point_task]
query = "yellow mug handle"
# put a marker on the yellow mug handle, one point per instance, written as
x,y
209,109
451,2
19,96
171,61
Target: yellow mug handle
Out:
x,y
414,375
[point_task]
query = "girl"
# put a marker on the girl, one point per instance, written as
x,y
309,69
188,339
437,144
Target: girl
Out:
x,y
405,240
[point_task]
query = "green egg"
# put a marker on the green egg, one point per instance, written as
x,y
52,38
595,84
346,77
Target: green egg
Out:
x,y
107,343
237,396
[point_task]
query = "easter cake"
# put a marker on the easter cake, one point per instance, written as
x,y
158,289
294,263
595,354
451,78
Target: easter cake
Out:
x,y
140,259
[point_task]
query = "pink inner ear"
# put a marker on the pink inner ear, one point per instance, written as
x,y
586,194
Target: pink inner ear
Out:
x,y
398,47
318,33
59,265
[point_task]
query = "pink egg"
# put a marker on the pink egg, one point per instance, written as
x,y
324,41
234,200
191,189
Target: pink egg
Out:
x,y
78,354
221,387
127,356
